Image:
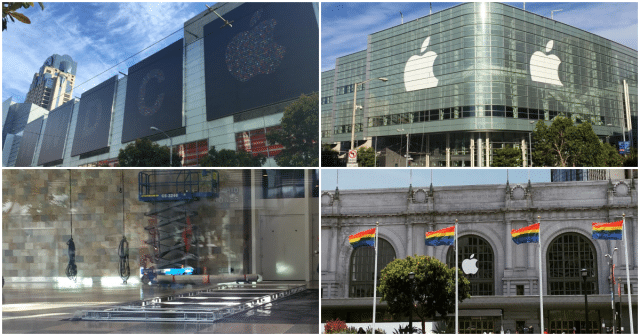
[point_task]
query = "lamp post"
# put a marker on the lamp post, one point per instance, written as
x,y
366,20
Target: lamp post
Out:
x,y
613,284
412,277
170,144
584,273
531,122
353,118
406,161
555,10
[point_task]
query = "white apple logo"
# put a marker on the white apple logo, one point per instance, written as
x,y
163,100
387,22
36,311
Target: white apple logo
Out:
x,y
254,52
418,72
469,266
544,68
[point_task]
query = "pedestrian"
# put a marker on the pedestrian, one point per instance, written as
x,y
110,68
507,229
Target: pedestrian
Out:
x,y
546,331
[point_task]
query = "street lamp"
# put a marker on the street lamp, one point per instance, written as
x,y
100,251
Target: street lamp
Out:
x,y
584,273
412,277
170,144
353,118
555,10
613,283
531,122
406,161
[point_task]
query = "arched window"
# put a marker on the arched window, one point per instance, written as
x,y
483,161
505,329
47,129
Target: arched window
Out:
x,y
567,255
362,267
482,282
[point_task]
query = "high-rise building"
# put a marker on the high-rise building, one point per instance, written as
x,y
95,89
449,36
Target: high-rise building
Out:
x,y
565,175
52,86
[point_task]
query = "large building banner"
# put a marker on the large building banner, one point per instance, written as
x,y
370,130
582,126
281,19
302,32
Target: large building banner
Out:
x,y
94,118
55,134
154,94
28,143
270,54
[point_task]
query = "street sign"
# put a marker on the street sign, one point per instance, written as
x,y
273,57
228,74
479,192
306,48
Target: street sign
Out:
x,y
353,156
623,147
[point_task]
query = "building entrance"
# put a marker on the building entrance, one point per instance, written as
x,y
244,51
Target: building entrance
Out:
x,y
568,321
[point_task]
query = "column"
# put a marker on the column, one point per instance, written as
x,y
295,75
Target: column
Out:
x,y
480,162
523,146
488,153
448,155
472,147
409,228
509,246
333,247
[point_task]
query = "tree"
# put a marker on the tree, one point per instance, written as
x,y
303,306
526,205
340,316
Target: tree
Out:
x,y
366,157
144,153
566,145
231,158
9,10
433,289
330,157
298,133
507,157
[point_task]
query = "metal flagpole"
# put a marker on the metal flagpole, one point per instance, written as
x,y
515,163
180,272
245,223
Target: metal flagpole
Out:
x,y
626,261
540,275
375,280
455,230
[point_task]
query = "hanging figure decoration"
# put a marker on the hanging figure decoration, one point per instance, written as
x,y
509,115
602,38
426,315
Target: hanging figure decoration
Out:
x,y
72,269
123,249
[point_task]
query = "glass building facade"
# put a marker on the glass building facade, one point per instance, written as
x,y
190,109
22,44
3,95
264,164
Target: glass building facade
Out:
x,y
470,79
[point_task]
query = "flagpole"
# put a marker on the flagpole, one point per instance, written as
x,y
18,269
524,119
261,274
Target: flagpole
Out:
x,y
540,276
455,230
375,280
626,261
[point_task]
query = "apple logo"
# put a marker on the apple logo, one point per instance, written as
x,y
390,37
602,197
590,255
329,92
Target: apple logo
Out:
x,y
254,52
544,68
469,266
142,105
418,72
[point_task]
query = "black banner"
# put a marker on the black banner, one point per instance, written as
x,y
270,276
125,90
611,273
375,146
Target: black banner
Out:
x,y
94,118
270,54
55,134
154,94
30,137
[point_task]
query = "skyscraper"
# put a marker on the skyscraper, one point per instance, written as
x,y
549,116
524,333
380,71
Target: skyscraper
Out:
x,y
53,85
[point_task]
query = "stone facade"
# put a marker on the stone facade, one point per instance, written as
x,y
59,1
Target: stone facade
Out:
x,y
487,211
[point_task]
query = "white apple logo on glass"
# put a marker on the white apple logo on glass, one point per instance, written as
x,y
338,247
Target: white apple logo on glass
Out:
x,y
469,266
418,72
544,68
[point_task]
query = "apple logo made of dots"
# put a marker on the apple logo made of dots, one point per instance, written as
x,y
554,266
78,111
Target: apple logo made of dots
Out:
x,y
254,52
142,107
94,110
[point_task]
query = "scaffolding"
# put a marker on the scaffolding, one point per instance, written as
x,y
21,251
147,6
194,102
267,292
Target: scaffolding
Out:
x,y
172,236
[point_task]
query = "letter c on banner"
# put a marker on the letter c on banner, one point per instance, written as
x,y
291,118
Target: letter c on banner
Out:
x,y
142,106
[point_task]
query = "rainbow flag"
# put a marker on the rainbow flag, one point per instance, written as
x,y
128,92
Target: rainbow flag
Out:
x,y
528,234
440,237
608,231
364,238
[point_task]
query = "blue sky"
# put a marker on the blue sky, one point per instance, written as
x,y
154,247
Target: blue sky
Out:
x,y
376,178
345,26
96,35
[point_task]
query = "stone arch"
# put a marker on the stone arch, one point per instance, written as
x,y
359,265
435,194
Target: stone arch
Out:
x,y
483,283
565,255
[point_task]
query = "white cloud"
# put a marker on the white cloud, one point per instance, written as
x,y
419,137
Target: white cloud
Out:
x,y
96,35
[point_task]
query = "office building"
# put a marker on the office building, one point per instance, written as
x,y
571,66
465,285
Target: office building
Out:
x,y
52,86
565,175
505,290
470,79
206,89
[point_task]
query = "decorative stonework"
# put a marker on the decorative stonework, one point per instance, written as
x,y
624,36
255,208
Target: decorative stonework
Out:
x,y
518,193
420,196
621,188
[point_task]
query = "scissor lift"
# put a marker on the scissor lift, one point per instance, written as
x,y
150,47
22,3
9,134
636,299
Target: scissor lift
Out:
x,y
171,235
